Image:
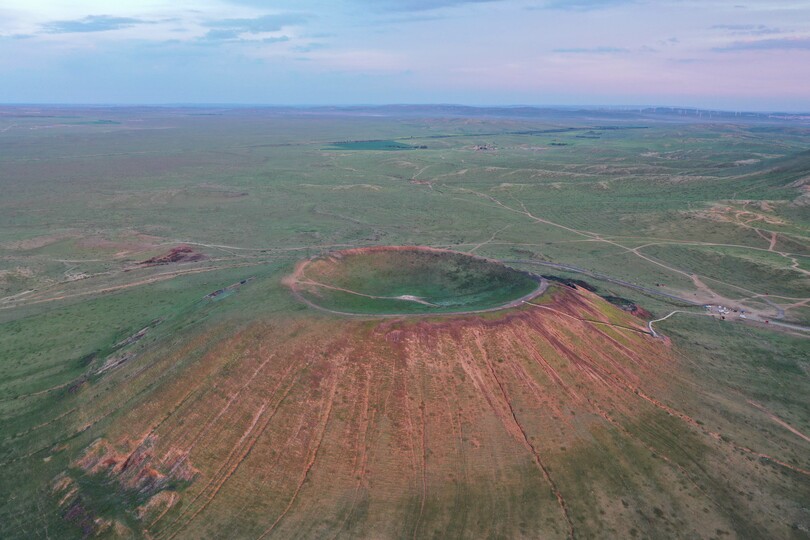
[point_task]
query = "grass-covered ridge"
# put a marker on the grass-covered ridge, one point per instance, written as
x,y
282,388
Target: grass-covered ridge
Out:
x,y
406,280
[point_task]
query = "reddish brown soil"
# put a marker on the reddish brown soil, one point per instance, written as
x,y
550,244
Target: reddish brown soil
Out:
x,y
641,313
131,471
528,422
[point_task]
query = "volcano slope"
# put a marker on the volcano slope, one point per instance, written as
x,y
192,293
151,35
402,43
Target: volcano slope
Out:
x,y
549,420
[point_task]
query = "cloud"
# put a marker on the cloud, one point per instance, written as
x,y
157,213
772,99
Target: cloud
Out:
x,y
424,5
226,35
221,35
377,5
591,50
310,47
92,23
746,29
795,44
582,5
358,61
266,23
413,17
280,39
686,60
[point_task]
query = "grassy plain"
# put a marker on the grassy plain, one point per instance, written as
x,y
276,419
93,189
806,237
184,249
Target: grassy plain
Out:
x,y
401,429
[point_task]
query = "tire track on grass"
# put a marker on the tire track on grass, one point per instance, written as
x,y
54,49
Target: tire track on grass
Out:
x,y
529,445
424,470
224,409
635,390
361,460
242,447
314,456
606,416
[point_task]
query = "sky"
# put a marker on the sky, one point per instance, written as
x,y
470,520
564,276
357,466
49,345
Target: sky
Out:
x,y
715,54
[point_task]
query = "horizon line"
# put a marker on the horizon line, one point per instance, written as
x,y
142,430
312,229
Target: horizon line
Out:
x,y
559,107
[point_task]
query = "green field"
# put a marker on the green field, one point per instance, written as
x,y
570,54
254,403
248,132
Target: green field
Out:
x,y
249,411
370,145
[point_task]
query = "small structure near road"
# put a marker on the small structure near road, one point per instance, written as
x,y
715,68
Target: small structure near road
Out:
x,y
718,309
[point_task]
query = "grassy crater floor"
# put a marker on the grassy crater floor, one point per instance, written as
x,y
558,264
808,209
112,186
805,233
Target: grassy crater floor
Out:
x,y
409,280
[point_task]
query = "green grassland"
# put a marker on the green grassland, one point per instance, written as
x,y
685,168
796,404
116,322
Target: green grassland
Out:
x,y
370,145
233,183
652,199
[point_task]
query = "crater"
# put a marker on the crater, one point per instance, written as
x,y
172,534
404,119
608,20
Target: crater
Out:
x,y
404,280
